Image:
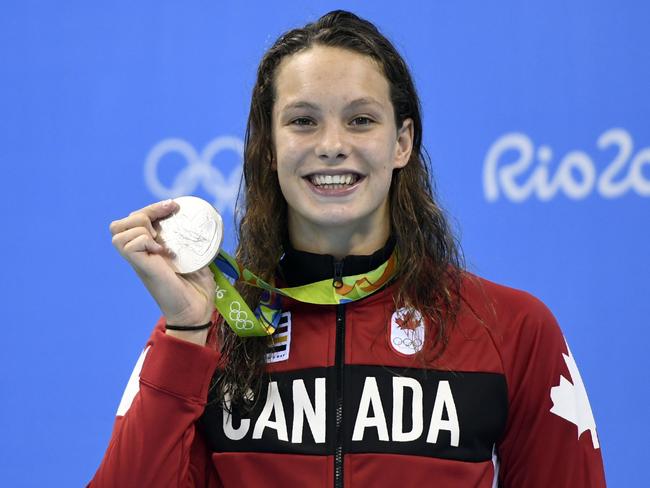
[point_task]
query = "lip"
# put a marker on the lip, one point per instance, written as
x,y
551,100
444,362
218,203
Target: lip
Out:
x,y
334,171
333,192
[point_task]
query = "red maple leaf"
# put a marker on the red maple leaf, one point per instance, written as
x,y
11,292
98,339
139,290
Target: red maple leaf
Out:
x,y
406,322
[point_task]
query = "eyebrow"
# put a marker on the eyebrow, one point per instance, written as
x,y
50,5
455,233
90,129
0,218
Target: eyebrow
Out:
x,y
353,103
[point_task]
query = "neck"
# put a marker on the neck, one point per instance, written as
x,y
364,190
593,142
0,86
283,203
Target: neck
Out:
x,y
339,241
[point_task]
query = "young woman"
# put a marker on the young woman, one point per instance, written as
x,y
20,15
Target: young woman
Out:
x,y
432,377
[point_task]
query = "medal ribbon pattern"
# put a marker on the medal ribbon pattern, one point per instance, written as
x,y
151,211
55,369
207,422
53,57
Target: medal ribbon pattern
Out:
x,y
264,320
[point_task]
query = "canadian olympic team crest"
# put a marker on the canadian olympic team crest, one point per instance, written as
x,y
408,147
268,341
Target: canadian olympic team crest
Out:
x,y
198,172
406,331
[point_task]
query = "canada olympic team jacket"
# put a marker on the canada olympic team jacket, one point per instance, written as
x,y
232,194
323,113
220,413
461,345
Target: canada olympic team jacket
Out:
x,y
349,404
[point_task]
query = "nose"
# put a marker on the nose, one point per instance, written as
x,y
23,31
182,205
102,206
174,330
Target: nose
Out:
x,y
332,143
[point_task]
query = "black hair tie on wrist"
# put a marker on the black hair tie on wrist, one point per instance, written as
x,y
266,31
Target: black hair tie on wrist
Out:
x,y
188,327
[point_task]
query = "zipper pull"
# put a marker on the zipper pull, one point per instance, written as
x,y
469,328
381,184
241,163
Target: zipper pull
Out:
x,y
337,282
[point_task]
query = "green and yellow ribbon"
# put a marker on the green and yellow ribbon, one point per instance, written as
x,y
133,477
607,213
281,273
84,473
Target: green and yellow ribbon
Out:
x,y
264,320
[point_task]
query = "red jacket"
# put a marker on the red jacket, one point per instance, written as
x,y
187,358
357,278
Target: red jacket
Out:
x,y
349,404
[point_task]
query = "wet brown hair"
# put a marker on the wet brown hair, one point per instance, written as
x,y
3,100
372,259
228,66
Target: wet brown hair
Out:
x,y
430,261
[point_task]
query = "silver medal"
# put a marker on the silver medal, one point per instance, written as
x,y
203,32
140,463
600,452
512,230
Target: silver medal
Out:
x,y
194,234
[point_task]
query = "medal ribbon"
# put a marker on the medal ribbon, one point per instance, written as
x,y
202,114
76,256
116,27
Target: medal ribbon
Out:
x,y
263,322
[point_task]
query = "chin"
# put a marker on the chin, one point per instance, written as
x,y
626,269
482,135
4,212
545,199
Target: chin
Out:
x,y
343,219
333,221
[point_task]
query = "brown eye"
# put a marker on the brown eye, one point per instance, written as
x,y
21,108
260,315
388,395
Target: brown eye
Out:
x,y
362,121
302,121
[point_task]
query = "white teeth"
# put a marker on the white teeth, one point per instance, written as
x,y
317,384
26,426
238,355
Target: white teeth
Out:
x,y
344,179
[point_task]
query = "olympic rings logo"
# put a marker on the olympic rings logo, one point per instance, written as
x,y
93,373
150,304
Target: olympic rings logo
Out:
x,y
407,342
198,171
239,318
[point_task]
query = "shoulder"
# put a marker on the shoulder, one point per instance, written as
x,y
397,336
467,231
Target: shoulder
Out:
x,y
505,301
499,328
521,327
503,309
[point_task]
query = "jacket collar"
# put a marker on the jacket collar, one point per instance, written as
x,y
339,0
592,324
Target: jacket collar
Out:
x,y
299,268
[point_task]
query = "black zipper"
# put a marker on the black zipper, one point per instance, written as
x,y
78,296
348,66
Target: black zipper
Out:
x,y
340,359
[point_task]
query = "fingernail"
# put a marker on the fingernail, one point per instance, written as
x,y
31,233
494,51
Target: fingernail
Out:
x,y
167,202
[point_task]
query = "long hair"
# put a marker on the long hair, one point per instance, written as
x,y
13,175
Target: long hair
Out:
x,y
430,261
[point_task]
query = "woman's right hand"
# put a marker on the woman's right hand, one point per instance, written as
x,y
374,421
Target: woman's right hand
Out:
x,y
183,299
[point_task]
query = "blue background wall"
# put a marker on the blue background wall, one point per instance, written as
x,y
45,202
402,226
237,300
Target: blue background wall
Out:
x,y
89,89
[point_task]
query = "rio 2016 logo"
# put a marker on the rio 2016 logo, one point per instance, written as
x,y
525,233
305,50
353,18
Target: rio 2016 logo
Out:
x,y
576,175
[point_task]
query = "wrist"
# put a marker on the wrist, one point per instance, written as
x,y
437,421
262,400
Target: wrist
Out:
x,y
196,334
189,319
188,328
199,337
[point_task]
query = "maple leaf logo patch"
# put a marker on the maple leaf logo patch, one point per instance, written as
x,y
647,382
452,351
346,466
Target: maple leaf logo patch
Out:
x,y
570,400
406,331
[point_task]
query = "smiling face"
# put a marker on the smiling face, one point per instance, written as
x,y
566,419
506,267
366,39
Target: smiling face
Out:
x,y
336,146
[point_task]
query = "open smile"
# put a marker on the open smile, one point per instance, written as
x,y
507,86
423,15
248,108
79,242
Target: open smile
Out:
x,y
337,184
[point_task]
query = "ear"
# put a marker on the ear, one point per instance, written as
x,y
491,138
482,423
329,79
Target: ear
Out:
x,y
274,159
274,156
404,145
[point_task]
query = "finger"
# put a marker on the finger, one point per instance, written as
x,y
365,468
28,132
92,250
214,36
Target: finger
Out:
x,y
123,238
135,219
142,243
160,210
153,212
